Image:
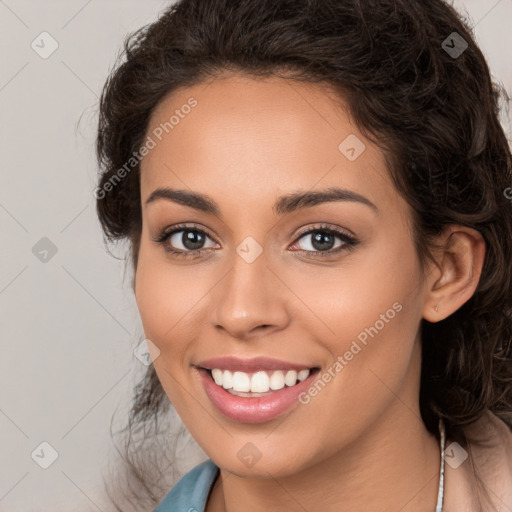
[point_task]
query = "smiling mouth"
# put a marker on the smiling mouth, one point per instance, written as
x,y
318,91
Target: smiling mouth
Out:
x,y
247,406
259,383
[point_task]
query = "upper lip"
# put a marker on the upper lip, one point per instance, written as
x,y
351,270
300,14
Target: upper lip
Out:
x,y
234,364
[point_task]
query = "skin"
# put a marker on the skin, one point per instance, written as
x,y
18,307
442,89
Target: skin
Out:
x,y
360,444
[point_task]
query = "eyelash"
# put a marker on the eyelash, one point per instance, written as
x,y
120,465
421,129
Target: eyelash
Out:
x,y
349,242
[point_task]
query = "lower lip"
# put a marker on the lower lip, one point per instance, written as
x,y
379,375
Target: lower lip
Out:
x,y
256,409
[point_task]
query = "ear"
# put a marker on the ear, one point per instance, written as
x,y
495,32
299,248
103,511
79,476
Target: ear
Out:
x,y
459,256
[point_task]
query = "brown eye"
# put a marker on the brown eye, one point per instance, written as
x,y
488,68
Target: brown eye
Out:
x,y
190,239
319,241
185,240
323,240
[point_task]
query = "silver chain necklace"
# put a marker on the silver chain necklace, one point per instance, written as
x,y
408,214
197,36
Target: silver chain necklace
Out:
x,y
440,493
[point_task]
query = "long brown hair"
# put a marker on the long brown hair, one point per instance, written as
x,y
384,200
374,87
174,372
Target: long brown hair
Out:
x,y
430,105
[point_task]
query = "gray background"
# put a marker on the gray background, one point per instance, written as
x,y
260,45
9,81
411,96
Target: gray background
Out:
x,y
69,324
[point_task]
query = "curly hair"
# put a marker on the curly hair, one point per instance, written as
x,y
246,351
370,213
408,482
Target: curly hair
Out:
x,y
435,115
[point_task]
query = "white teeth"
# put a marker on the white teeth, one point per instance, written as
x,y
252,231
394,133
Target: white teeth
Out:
x,y
290,378
217,376
258,382
227,379
303,374
241,381
277,380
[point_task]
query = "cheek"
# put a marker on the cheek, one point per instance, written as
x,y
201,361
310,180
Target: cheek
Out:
x,y
154,304
367,311
379,284
170,298
376,328
163,300
157,292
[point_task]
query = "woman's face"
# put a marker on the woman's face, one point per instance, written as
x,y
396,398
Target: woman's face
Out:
x,y
252,284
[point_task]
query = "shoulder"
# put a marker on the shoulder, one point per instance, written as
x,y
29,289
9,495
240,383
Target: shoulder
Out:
x,y
192,489
491,453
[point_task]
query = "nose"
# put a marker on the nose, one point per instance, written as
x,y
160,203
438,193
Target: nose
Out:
x,y
249,301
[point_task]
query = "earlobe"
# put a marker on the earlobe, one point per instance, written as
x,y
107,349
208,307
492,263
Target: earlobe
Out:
x,y
459,260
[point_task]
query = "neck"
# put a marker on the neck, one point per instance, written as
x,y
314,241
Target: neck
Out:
x,y
394,465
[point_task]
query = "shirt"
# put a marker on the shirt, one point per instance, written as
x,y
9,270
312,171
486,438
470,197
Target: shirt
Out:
x,y
192,490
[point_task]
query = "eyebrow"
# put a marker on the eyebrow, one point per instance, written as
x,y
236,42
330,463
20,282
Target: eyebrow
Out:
x,y
284,204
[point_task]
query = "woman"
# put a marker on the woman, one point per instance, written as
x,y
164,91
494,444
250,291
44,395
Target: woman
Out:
x,y
315,193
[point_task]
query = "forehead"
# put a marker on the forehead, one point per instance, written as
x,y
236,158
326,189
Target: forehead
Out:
x,y
259,134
